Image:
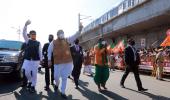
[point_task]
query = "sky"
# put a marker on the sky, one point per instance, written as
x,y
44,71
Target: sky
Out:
x,y
48,16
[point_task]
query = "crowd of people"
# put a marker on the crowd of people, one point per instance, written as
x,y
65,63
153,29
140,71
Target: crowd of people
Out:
x,y
158,58
64,58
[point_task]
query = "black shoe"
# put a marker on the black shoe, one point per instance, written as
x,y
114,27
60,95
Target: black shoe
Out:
x,y
46,88
56,88
70,77
142,89
39,69
24,85
77,87
28,86
122,86
63,96
32,89
99,89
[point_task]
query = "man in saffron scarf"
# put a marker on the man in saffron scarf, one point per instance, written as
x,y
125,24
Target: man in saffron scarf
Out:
x,y
101,64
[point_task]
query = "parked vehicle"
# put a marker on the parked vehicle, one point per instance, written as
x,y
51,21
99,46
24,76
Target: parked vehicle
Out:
x,y
10,58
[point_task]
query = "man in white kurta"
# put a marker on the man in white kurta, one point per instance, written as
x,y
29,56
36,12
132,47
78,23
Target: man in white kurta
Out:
x,y
63,63
32,57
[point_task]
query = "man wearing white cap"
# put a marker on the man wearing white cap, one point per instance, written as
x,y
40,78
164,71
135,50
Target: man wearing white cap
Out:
x,y
63,63
32,57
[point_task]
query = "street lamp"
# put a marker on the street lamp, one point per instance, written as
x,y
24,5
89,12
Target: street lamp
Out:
x,y
18,31
80,26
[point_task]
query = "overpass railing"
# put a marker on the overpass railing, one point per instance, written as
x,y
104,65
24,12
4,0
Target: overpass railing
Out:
x,y
121,8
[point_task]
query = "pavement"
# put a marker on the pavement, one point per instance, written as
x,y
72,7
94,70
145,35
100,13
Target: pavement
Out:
x,y
158,90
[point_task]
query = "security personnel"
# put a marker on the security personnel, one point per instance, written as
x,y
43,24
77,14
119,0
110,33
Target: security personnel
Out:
x,y
77,55
132,60
47,71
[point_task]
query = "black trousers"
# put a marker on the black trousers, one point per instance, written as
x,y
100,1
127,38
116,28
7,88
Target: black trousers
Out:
x,y
76,72
135,70
47,75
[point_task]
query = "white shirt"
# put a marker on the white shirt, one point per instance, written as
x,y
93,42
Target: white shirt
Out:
x,y
27,39
77,47
69,39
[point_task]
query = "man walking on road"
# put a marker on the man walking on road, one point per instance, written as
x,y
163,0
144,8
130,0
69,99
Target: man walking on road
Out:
x,y
47,69
23,48
33,56
63,62
132,61
77,55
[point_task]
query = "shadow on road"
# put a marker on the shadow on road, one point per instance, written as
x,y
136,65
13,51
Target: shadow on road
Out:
x,y
154,97
90,95
165,80
113,95
8,85
23,94
165,76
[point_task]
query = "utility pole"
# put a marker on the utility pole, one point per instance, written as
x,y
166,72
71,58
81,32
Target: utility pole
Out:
x,y
80,26
79,22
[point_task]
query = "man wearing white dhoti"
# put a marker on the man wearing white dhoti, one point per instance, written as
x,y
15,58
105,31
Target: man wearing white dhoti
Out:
x,y
63,63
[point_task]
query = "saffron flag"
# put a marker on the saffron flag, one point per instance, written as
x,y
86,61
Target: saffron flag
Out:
x,y
166,42
119,47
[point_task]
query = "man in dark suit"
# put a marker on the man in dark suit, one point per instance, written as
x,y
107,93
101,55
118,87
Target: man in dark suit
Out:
x,y
47,69
77,55
132,60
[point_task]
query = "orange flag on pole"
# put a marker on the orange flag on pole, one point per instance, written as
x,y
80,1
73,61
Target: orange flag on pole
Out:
x,y
166,42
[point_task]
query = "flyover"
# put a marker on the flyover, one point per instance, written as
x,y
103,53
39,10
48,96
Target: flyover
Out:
x,y
139,19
